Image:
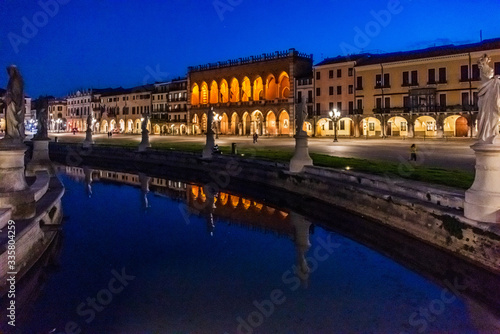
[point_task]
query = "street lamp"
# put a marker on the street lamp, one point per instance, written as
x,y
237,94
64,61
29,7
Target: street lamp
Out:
x,y
217,119
335,116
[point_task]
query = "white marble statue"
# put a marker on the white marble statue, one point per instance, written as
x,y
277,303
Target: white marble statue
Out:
x,y
89,122
489,102
14,101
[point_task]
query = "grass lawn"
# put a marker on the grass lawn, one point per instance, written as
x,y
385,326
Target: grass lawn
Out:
x,y
406,170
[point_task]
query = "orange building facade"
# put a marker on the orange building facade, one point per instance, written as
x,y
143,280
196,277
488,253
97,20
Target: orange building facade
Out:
x,y
250,95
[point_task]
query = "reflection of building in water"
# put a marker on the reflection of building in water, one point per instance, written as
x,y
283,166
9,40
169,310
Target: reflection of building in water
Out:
x,y
240,210
159,186
253,215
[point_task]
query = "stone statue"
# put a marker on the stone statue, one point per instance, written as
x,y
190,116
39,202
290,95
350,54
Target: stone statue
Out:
x,y
89,122
144,124
301,113
489,102
14,101
42,118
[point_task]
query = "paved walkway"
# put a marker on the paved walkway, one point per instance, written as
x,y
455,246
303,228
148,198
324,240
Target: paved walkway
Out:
x,y
454,153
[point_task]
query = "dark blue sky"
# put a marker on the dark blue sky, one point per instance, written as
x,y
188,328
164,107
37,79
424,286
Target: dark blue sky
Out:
x,y
104,43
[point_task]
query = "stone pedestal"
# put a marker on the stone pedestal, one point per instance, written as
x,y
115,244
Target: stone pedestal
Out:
x,y
145,141
87,143
40,158
209,146
12,169
482,200
301,156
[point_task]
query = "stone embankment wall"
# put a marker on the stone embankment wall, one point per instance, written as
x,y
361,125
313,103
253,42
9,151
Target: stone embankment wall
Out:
x,y
432,215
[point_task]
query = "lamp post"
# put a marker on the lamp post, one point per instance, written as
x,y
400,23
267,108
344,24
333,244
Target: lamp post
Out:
x,y
335,116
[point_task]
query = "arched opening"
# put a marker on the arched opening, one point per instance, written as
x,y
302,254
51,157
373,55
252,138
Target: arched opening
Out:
x,y
183,129
156,129
224,91
324,127
271,88
130,126
214,93
258,89
397,127
307,127
195,95
112,125
164,130
204,93
425,126
104,126
271,127
246,90
345,127
461,127
97,127
224,124
257,122
138,128
246,124
234,91
456,125
195,122
284,85
122,125
235,124
284,123
204,123
371,127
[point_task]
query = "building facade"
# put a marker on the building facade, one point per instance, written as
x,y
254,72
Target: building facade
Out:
x,y
170,108
421,93
250,95
57,114
122,110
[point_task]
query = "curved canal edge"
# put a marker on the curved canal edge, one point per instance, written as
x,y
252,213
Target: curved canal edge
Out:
x,y
423,211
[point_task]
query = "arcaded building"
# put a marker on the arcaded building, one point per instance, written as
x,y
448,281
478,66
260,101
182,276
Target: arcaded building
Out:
x,y
420,93
122,110
251,95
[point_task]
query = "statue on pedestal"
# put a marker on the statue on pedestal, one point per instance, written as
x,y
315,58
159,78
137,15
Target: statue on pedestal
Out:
x,y
489,102
14,101
301,113
144,124
42,118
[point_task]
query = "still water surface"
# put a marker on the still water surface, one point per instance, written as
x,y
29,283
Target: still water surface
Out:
x,y
177,260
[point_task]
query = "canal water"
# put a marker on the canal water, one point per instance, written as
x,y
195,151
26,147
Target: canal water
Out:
x,y
153,255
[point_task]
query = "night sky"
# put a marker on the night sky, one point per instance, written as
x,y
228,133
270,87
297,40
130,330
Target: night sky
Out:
x,y
110,43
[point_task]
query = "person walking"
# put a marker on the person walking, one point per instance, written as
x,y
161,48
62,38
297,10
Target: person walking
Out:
x,y
413,152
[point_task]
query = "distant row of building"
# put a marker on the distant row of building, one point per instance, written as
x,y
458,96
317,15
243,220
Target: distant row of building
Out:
x,y
430,92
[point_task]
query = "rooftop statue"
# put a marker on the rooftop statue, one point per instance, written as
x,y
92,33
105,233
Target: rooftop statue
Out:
x,y
489,102
14,101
